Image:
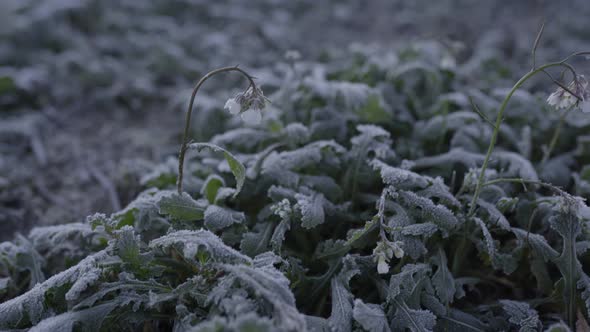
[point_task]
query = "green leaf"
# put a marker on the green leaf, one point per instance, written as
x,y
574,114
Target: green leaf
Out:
x,y
211,187
236,167
181,207
256,242
373,112
6,84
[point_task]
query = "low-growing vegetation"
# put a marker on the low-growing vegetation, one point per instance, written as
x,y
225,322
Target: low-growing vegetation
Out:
x,y
380,191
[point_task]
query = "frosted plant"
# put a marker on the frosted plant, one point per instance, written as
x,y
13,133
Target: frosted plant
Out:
x,y
561,100
252,101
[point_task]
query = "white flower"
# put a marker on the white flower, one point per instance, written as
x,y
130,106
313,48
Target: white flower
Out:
x,y
232,106
384,252
562,99
252,101
382,265
397,250
252,116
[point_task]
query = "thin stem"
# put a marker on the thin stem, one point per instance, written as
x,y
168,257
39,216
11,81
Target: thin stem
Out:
x,y
585,53
522,182
536,44
187,121
481,114
499,119
555,136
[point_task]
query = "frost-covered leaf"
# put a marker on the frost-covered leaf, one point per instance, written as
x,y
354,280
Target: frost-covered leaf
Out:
x,y
412,319
284,210
181,207
27,258
499,261
494,216
584,286
89,319
443,280
429,211
567,223
270,285
256,242
400,178
341,317
31,304
521,315
515,165
87,279
537,242
425,229
236,167
218,218
403,286
312,209
246,323
193,242
448,159
457,320
370,316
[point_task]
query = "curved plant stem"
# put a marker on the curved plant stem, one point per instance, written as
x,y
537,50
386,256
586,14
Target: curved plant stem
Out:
x,y
187,121
522,182
499,119
555,136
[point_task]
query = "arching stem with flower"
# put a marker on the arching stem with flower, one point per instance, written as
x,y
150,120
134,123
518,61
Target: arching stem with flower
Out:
x,y
248,104
575,95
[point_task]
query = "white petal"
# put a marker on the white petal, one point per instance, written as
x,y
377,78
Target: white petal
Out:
x,y
553,99
399,252
252,116
382,266
232,106
586,106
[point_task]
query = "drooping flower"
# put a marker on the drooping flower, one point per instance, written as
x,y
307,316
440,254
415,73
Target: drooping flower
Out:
x,y
384,252
562,99
249,104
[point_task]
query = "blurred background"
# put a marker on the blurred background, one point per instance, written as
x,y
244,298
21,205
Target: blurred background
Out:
x,y
93,92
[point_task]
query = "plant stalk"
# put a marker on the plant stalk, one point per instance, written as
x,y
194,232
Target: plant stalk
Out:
x,y
499,119
187,121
